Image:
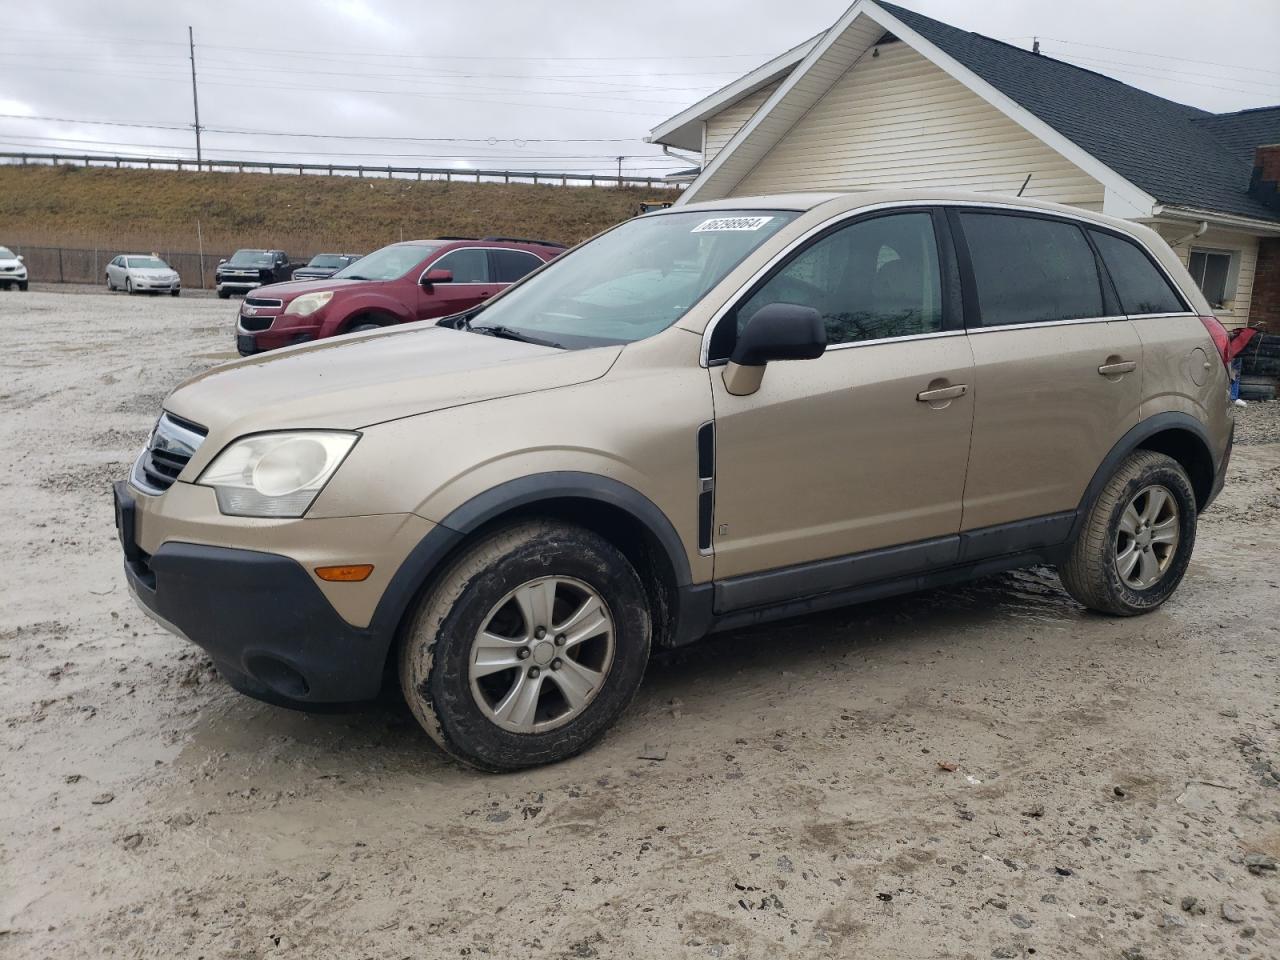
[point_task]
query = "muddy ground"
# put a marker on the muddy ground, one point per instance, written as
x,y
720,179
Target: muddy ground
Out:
x,y
781,791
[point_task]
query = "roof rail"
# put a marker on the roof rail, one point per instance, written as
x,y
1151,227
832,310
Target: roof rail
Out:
x,y
541,243
461,238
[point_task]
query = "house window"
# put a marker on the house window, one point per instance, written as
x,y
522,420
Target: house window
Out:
x,y
1214,272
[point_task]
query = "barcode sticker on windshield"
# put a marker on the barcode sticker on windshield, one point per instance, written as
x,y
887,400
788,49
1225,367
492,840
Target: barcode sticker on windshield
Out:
x,y
727,224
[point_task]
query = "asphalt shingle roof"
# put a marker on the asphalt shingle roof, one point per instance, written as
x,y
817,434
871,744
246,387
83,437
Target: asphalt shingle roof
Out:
x,y
1180,155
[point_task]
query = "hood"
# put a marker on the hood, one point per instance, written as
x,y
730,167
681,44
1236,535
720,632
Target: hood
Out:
x,y
292,288
359,380
7,262
157,273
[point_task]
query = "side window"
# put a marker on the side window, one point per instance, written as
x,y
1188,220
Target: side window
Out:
x,y
510,265
469,265
1031,270
873,279
1141,286
1211,270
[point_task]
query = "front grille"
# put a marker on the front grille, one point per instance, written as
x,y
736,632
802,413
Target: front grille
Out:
x,y
262,302
173,442
255,323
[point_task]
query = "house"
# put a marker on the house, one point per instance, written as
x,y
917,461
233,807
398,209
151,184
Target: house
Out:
x,y
889,98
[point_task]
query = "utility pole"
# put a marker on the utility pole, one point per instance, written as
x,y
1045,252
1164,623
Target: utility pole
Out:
x,y
619,171
195,99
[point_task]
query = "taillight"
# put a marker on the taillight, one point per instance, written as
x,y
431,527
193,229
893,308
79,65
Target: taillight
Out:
x,y
1221,340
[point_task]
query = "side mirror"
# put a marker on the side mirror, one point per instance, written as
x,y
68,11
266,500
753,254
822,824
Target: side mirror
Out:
x,y
222,261
780,331
21,258
437,276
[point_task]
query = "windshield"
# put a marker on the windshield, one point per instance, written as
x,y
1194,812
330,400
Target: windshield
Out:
x,y
389,263
328,260
635,280
250,258
149,263
7,254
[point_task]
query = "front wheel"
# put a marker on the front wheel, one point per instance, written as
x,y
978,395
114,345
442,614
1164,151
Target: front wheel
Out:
x,y
1137,538
224,294
528,648
128,286
175,293
22,285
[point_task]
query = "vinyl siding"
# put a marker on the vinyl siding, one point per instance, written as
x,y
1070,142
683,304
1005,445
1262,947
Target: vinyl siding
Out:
x,y
896,120
1235,313
722,127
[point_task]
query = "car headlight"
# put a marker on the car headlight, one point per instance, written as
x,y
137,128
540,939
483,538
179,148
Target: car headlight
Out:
x,y
308,303
275,474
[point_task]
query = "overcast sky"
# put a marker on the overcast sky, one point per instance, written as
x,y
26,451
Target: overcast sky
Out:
x,y
486,81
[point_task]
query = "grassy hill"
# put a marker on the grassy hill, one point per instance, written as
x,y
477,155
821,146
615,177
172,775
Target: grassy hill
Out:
x,y
118,210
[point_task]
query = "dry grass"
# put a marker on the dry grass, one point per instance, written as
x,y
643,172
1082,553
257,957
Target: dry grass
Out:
x,y
101,208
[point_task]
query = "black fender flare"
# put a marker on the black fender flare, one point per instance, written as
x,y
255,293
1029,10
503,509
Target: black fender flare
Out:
x,y
1131,441
426,557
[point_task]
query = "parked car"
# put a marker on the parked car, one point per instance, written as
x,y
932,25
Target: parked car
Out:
x,y
707,417
249,269
324,265
142,273
413,280
13,272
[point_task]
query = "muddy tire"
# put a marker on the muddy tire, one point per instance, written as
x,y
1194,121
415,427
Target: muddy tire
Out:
x,y
1137,538
528,647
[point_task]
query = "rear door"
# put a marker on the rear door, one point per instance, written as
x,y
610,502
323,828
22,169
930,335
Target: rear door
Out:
x,y
472,283
1057,366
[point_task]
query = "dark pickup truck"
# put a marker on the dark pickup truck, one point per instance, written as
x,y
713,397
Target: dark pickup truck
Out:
x,y
250,269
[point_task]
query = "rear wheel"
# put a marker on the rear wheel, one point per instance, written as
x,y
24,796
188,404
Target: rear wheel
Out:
x,y
1137,539
528,648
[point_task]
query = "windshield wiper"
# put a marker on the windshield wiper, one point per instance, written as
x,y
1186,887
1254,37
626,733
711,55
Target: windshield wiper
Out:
x,y
353,277
508,333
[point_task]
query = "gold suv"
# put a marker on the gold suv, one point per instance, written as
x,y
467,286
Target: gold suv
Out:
x,y
708,416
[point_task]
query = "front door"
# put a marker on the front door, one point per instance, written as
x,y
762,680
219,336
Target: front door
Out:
x,y
1057,374
862,448
472,284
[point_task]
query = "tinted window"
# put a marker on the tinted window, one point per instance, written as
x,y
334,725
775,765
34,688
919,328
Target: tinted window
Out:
x,y
511,265
1141,286
469,265
873,279
1031,270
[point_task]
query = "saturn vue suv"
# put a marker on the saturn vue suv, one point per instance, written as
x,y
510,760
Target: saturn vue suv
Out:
x,y
403,282
712,415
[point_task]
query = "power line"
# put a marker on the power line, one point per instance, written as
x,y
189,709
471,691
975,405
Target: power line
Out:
x,y
1156,76
1162,56
176,125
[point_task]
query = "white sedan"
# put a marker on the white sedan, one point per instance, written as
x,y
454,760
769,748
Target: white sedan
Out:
x,y
12,270
136,273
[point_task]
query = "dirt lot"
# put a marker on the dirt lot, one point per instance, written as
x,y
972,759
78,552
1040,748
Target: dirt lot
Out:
x,y
782,791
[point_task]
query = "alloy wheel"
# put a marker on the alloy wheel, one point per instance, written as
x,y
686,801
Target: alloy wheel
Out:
x,y
542,654
1147,538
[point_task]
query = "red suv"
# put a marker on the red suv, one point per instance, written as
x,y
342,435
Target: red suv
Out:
x,y
413,280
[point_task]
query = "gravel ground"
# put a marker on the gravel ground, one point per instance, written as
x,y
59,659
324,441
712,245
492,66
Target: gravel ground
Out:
x,y
985,771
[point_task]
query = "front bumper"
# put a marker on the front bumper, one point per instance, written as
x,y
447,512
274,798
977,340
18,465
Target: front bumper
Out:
x,y
277,335
160,286
274,631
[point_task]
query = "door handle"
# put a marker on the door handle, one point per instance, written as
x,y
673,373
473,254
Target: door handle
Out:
x,y
1115,369
943,393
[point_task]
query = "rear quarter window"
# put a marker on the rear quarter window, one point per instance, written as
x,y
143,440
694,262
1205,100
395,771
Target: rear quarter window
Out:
x,y
1139,284
1030,269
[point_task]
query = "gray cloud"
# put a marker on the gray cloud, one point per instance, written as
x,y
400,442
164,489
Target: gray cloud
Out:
x,y
499,77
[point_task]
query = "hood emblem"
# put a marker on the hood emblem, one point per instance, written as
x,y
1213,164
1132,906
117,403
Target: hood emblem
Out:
x,y
250,311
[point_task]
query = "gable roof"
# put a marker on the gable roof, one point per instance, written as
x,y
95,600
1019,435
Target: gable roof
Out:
x,y
1176,154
